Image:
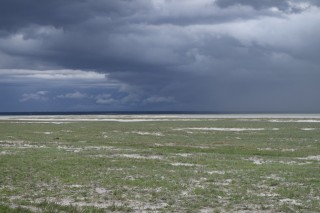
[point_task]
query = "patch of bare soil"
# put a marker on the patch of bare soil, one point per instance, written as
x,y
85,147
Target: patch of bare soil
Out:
x,y
19,144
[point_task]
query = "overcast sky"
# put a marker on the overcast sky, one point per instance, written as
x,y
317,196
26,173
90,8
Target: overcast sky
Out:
x,y
212,55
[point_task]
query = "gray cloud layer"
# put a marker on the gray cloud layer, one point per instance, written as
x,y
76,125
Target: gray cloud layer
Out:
x,y
219,55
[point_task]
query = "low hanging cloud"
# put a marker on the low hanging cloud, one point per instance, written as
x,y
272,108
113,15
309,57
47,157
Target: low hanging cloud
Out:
x,y
52,74
159,99
105,99
38,96
219,55
74,95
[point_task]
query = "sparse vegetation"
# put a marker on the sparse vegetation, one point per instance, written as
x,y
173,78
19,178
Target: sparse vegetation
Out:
x,y
161,165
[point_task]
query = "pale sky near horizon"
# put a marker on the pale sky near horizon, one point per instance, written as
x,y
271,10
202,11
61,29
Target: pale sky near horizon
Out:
x,y
190,55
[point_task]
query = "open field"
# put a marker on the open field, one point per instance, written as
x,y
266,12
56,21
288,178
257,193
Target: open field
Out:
x,y
175,163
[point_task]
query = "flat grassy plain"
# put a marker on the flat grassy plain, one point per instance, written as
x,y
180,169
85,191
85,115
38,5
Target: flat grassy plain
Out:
x,y
159,164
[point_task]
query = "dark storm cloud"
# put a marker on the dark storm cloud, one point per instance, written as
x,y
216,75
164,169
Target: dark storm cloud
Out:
x,y
283,5
193,55
258,4
58,13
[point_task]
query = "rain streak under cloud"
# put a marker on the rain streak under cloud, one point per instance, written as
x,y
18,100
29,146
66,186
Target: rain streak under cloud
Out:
x,y
212,55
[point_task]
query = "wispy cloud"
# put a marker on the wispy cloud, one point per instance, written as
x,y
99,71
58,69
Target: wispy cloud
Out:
x,y
38,96
74,95
159,99
52,74
105,99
